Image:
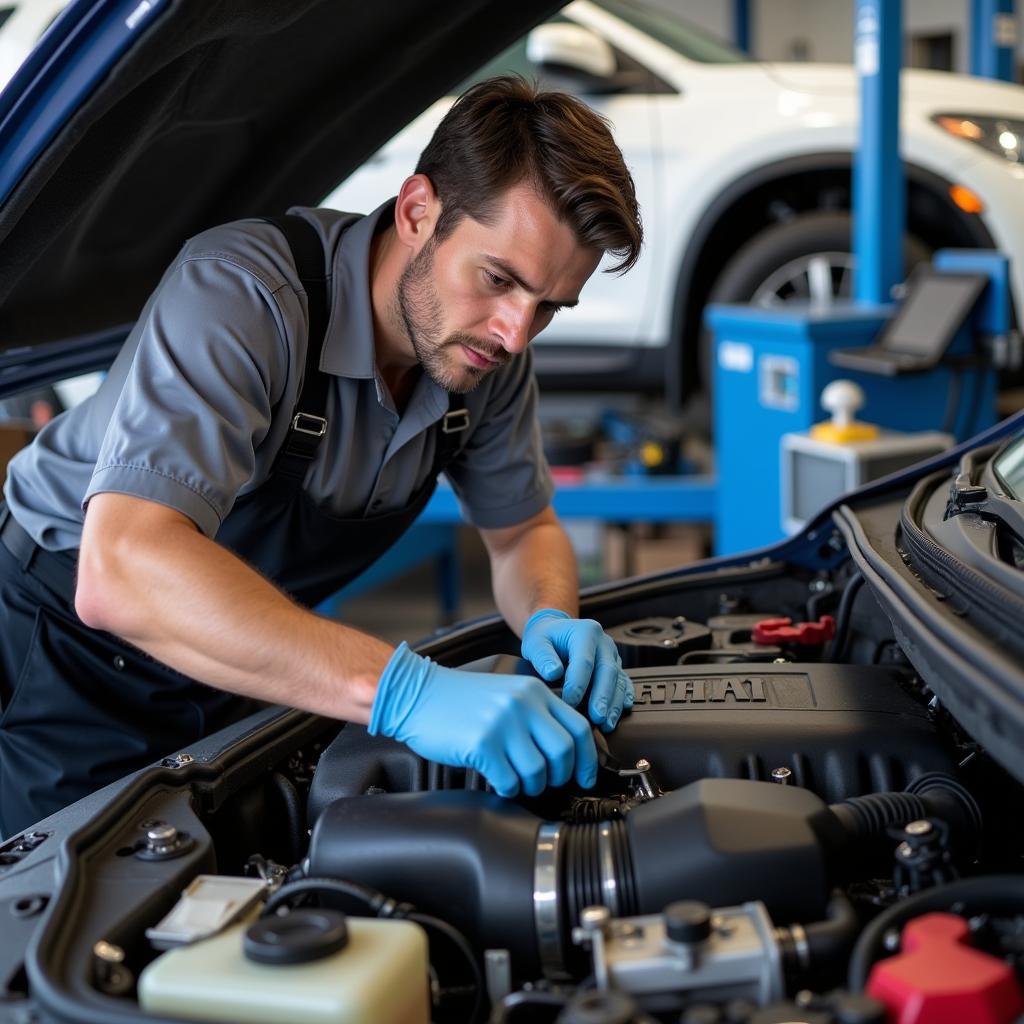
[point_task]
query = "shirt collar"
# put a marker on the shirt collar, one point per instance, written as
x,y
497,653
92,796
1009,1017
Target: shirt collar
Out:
x,y
348,350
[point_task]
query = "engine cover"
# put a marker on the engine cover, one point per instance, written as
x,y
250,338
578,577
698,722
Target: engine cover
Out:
x,y
841,730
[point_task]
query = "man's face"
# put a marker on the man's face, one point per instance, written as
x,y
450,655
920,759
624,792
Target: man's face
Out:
x,y
478,298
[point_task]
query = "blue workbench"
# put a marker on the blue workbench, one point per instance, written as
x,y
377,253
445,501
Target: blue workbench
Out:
x,y
627,499
634,499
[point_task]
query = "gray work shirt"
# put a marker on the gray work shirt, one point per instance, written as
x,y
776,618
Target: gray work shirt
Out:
x,y
198,402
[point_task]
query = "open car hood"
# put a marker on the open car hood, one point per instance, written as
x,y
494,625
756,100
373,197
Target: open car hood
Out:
x,y
135,125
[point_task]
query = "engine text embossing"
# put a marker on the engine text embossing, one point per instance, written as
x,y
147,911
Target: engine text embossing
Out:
x,y
708,690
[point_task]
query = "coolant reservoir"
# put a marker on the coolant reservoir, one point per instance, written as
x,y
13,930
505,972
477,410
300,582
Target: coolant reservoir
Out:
x,y
315,966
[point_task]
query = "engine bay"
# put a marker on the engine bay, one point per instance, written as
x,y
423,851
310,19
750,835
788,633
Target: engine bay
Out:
x,y
756,797
789,826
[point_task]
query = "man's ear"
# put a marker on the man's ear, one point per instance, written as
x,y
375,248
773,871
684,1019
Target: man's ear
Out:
x,y
417,210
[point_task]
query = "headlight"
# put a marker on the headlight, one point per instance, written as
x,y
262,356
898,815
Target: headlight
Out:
x,y
1003,136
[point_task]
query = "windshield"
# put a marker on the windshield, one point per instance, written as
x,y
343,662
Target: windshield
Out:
x,y
674,32
1010,467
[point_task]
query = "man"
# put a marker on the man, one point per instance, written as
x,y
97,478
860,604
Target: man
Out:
x,y
247,452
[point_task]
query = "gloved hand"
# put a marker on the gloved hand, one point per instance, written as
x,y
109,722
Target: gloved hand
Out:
x,y
556,643
511,729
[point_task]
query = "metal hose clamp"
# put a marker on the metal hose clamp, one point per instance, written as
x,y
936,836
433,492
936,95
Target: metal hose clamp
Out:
x,y
609,879
545,901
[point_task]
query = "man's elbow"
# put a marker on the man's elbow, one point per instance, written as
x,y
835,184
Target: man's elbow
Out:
x,y
102,591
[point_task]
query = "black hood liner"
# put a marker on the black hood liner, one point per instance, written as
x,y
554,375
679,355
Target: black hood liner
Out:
x,y
224,109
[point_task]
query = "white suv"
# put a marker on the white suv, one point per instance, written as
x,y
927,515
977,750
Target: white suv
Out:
x,y
743,175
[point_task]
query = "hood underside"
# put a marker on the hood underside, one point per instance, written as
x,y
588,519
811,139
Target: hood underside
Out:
x,y
222,109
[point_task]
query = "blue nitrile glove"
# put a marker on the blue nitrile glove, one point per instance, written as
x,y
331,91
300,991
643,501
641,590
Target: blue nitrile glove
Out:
x,y
511,729
556,643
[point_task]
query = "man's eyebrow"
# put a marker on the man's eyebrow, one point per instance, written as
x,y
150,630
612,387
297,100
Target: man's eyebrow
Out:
x,y
510,272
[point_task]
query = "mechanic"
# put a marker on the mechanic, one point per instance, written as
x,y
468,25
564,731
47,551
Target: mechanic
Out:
x,y
248,454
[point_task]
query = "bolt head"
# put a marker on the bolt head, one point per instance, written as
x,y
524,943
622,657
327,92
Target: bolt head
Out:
x,y
643,765
782,774
594,919
161,835
108,952
918,828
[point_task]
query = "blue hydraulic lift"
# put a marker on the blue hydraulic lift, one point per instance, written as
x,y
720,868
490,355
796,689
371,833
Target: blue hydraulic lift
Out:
x,y
993,39
879,214
741,25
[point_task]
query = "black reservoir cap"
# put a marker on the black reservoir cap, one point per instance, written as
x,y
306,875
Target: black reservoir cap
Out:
x,y
296,938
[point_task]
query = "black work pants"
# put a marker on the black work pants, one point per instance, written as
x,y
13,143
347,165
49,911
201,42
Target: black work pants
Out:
x,y
80,708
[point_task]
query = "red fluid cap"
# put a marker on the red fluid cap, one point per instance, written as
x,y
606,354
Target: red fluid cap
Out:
x,y
783,631
939,979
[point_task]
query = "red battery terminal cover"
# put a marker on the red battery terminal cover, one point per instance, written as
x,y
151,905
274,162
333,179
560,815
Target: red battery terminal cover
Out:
x,y
938,978
784,631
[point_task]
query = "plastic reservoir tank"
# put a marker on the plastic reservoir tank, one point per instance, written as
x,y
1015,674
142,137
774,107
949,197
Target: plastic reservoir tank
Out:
x,y
373,972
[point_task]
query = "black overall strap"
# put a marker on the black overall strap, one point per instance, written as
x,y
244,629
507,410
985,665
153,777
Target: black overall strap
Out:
x,y
450,432
309,424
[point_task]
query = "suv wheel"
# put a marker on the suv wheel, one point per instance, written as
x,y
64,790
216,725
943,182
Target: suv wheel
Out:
x,y
805,259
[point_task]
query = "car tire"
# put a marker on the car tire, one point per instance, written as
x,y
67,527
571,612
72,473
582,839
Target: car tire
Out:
x,y
794,244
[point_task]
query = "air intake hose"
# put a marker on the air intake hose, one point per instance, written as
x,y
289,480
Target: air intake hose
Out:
x,y
508,880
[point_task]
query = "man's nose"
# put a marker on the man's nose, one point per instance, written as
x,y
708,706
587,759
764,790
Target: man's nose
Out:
x,y
511,326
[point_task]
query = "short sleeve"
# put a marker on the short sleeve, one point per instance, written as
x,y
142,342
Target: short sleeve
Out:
x,y
501,476
198,396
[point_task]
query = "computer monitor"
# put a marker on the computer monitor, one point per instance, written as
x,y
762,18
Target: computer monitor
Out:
x,y
918,336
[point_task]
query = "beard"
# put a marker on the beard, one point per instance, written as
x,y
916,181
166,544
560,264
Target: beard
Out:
x,y
419,308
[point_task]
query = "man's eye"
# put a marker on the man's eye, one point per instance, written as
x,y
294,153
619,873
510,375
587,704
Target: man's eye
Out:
x,y
498,282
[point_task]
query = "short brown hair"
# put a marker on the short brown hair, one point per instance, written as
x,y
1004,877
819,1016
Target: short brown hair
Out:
x,y
505,130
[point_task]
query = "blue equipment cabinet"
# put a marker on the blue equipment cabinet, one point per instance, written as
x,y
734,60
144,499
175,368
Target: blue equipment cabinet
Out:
x,y
772,364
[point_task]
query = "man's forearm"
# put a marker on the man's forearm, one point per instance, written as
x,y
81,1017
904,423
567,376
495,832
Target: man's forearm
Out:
x,y
195,606
535,570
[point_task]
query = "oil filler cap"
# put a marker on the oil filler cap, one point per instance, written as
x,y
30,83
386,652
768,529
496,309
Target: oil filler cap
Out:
x,y
296,938
939,976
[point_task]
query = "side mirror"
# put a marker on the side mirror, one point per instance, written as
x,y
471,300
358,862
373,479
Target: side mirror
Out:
x,y
571,48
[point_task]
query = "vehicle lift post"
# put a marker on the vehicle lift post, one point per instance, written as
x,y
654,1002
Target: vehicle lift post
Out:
x,y
879,207
993,39
741,25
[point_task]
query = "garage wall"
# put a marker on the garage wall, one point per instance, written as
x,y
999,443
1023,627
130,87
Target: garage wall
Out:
x,y
822,30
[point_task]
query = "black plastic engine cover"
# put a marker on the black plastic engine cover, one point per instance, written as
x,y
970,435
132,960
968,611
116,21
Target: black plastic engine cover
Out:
x,y
842,730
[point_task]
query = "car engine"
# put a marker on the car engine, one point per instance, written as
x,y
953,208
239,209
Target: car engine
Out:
x,y
790,825
761,804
